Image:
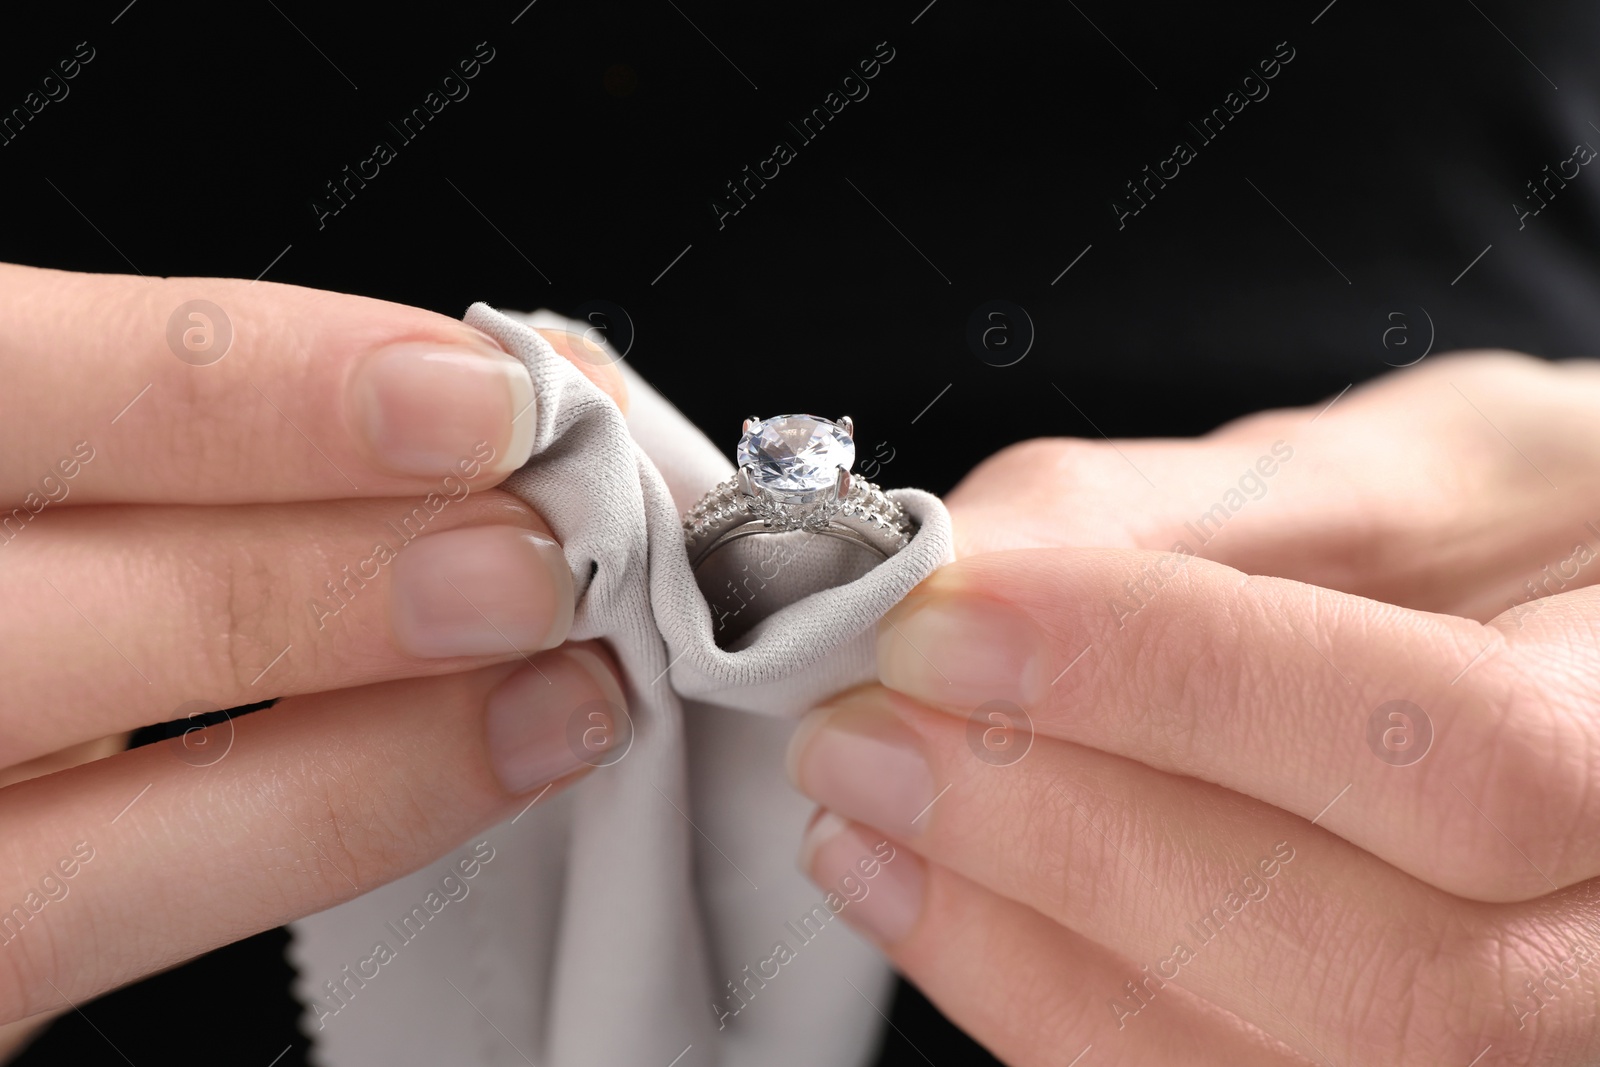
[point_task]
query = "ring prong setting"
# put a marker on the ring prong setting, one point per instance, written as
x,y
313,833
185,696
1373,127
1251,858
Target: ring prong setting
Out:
x,y
793,473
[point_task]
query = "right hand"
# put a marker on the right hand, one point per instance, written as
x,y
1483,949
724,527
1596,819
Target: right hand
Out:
x,y
1177,725
308,517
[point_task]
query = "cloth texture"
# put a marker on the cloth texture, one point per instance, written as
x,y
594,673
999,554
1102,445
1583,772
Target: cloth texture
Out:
x,y
611,924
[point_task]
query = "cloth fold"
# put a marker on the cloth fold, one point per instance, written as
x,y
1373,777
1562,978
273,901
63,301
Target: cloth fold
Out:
x,y
632,919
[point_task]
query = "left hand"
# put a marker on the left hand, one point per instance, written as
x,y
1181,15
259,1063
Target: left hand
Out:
x,y
196,552
1141,804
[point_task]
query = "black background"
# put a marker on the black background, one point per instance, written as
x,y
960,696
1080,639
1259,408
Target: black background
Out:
x,y
1384,163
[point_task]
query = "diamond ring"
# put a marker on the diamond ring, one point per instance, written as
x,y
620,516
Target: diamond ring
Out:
x,y
794,474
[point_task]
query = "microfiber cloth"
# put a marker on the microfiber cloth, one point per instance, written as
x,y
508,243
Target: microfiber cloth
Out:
x,y
627,921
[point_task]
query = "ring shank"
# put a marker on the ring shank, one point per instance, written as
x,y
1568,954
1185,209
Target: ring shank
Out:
x,y
864,515
836,529
746,578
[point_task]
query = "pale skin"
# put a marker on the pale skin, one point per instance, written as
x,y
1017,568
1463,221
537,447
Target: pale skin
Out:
x,y
1184,742
1188,741
168,553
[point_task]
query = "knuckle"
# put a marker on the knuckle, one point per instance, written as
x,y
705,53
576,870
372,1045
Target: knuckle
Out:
x,y
239,605
1442,988
205,409
1525,812
1075,463
1517,986
1039,1022
1203,690
1059,455
1080,854
1480,365
1416,989
347,832
31,958
1052,872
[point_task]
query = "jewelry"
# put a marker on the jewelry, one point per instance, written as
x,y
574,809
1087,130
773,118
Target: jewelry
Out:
x,y
794,474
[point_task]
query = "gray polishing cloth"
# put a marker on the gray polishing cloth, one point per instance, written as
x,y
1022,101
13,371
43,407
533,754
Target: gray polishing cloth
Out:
x,y
609,925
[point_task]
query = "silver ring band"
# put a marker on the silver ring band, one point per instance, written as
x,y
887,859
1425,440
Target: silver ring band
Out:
x,y
864,516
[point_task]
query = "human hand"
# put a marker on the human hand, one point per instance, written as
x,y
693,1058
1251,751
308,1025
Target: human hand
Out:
x,y
288,495
1202,817
1402,490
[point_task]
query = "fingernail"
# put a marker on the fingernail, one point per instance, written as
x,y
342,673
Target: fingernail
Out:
x,y
960,651
480,591
860,760
872,884
530,716
430,409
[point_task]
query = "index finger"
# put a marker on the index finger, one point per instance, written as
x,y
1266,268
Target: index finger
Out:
x,y
1426,739
218,390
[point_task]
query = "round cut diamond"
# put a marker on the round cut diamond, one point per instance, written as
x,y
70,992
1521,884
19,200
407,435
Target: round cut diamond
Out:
x,y
796,458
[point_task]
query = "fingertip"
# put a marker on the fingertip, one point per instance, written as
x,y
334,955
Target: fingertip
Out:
x,y
560,715
596,660
822,827
595,361
873,886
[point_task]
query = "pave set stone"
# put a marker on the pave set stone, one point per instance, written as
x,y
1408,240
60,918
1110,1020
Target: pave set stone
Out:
x,y
864,502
